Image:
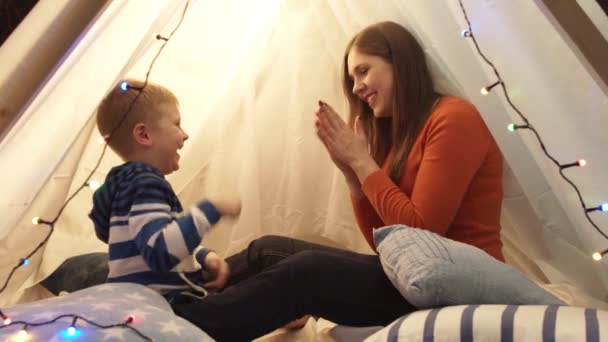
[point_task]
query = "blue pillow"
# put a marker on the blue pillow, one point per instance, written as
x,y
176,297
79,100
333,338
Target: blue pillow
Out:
x,y
431,271
105,304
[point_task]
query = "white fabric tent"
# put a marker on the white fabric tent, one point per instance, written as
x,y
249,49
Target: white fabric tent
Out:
x,y
248,75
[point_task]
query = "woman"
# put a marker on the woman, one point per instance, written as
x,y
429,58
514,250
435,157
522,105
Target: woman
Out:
x,y
433,163
410,156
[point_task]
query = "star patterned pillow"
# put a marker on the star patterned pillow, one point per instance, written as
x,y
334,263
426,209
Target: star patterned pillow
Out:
x,y
97,309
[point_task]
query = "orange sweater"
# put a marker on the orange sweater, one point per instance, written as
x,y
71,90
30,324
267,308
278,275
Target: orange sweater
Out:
x,y
452,184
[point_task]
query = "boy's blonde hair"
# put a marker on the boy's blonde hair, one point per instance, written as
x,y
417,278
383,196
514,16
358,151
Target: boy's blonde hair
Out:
x,y
119,101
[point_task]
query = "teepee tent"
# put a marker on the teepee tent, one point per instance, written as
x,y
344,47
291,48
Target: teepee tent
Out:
x,y
248,75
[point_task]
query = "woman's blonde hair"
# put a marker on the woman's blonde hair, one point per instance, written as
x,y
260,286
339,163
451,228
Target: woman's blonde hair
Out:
x,y
126,105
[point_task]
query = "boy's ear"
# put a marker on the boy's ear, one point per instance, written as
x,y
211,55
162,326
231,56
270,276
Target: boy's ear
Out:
x,y
141,134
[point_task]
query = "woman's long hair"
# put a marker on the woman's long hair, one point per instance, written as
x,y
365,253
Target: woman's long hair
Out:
x,y
413,93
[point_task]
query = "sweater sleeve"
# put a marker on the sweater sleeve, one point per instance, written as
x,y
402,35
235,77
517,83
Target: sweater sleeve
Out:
x,y
366,217
200,253
455,145
163,240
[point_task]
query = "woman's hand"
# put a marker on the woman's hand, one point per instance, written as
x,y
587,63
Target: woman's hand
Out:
x,y
346,147
339,164
343,145
218,269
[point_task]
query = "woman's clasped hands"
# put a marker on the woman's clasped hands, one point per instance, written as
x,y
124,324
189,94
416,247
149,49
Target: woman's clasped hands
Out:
x,y
345,146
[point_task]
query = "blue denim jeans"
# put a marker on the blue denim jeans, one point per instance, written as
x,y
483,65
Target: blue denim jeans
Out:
x,y
277,280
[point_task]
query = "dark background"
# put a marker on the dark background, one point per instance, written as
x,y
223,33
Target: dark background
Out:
x,y
11,14
13,11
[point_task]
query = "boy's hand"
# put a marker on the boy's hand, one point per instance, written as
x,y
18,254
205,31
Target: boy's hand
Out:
x,y
227,207
218,269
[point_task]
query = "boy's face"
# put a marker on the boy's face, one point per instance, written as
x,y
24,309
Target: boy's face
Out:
x,y
167,137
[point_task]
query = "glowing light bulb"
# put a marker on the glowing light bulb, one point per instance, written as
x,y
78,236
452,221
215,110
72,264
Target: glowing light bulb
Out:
x,y
101,140
512,127
93,184
597,256
124,86
6,320
602,207
582,162
465,33
36,220
22,334
24,262
71,331
486,90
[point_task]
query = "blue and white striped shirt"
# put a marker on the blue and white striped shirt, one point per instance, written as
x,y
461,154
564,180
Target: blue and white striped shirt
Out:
x,y
137,214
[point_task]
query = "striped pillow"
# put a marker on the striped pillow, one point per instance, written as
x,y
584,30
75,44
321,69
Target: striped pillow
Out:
x,y
503,323
432,271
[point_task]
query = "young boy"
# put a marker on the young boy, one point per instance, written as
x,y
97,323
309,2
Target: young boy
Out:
x,y
136,211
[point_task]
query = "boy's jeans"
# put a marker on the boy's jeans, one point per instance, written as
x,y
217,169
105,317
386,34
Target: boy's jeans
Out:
x,y
277,280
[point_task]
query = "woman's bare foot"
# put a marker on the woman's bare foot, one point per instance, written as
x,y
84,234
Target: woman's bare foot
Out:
x,y
298,323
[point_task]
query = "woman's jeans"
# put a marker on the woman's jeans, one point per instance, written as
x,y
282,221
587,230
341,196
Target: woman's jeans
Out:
x,y
277,280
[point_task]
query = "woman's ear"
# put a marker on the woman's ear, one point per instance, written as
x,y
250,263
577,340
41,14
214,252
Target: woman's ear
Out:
x,y
141,134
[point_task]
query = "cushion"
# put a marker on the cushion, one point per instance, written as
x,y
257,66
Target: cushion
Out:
x,y
77,273
431,271
498,323
105,304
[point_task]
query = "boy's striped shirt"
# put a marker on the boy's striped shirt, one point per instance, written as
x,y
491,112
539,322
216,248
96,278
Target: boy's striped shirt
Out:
x,y
137,214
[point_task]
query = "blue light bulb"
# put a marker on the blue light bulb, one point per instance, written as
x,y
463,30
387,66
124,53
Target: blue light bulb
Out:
x,y
604,207
71,333
124,86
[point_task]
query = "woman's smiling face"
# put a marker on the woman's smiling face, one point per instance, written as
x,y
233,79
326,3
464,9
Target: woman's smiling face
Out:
x,y
372,81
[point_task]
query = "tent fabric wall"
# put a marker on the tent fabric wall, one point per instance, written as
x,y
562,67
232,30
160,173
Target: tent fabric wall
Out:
x,y
248,76
34,47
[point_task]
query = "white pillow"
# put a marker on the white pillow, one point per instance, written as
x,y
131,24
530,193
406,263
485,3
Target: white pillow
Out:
x,y
431,271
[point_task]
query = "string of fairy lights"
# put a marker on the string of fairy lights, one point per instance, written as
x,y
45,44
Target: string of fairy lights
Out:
x,y
526,125
72,330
